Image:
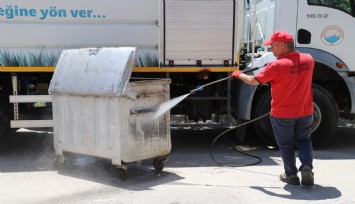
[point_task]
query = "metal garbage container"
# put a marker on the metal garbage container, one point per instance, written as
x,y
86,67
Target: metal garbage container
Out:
x,y
100,111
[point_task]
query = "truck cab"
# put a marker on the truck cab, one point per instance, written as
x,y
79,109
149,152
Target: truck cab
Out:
x,y
322,29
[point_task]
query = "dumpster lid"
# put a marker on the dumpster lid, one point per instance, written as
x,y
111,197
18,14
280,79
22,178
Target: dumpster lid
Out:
x,y
93,71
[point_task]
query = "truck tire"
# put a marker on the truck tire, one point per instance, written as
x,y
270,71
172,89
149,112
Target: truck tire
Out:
x,y
262,127
326,117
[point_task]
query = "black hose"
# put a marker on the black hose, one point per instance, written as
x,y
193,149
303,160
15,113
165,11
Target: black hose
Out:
x,y
259,160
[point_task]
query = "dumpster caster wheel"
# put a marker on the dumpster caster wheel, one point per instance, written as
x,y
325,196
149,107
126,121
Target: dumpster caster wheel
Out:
x,y
59,161
122,174
158,164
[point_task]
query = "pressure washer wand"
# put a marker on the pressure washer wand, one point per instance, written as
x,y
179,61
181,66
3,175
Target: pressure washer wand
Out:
x,y
217,81
166,106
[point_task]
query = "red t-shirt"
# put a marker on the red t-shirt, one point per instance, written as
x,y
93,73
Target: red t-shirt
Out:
x,y
290,77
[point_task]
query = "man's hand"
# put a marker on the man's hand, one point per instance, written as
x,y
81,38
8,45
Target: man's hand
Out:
x,y
236,74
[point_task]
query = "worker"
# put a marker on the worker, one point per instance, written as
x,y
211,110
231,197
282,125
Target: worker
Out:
x,y
292,110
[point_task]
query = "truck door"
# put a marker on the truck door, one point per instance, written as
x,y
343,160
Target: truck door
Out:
x,y
327,25
198,30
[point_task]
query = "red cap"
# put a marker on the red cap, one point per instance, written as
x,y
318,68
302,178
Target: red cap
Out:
x,y
279,36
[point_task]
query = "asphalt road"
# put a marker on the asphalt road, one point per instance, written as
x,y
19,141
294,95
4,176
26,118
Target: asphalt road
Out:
x,y
190,175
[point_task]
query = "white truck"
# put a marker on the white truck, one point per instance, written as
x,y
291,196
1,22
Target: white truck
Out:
x,y
192,42
323,29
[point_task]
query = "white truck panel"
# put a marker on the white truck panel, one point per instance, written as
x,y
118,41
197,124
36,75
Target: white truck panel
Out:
x,y
199,30
264,22
324,23
289,9
265,19
77,35
55,23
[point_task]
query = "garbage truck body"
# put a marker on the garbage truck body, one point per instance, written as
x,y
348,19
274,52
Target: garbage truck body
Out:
x,y
192,42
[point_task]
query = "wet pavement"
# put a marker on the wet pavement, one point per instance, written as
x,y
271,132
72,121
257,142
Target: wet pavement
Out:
x,y
190,176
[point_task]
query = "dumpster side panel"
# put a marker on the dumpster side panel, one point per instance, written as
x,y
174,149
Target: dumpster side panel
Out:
x,y
147,138
89,125
117,127
56,132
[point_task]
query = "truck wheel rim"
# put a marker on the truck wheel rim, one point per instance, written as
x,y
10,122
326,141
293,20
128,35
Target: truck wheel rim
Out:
x,y
317,116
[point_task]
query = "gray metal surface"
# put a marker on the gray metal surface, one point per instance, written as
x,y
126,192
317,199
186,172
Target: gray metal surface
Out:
x,y
93,71
94,106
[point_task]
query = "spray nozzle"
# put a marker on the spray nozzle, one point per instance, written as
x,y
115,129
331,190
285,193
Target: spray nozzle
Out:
x,y
199,88
193,91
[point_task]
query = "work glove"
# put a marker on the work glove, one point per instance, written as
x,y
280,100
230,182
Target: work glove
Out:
x,y
236,74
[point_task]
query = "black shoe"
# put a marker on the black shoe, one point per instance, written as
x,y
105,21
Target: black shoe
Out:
x,y
292,179
307,176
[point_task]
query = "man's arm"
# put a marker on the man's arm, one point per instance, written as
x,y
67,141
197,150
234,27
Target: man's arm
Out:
x,y
248,79
245,78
